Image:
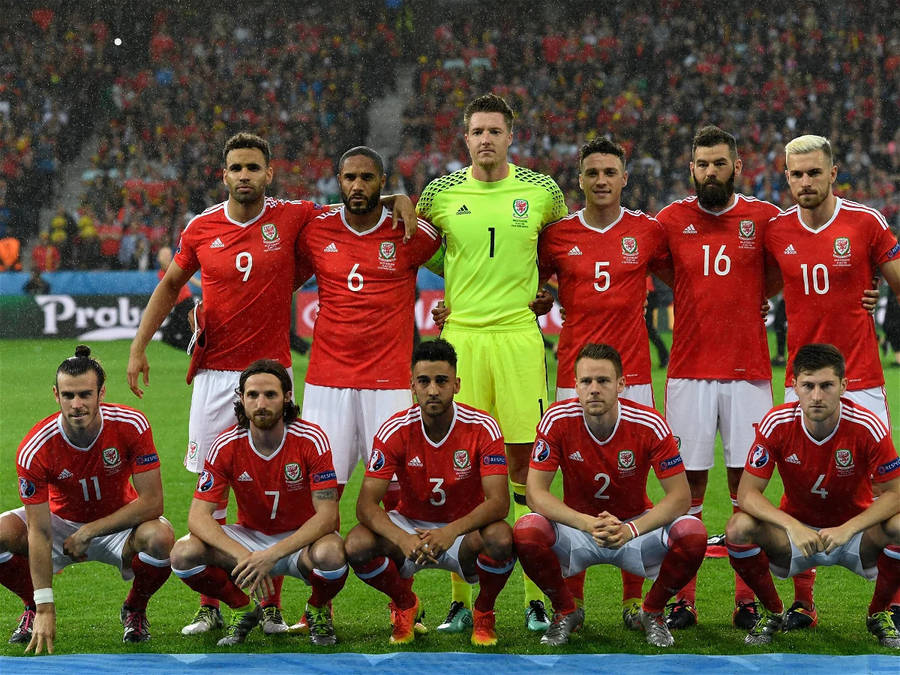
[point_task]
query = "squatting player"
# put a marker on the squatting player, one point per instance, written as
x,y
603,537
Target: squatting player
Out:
x,y
454,499
828,450
280,470
828,250
605,446
719,376
76,468
490,215
601,256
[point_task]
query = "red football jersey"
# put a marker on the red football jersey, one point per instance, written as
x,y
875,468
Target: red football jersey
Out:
x,y
825,272
608,475
439,482
825,482
718,261
274,493
367,290
247,273
602,286
85,484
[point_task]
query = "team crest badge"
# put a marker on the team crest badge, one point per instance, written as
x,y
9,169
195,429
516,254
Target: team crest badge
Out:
x,y
677,442
541,451
192,449
461,459
292,472
626,459
842,246
269,232
747,229
26,488
520,207
843,458
387,250
110,456
629,245
205,481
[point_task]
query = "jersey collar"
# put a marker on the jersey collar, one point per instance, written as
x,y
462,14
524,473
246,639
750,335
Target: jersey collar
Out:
x,y
449,431
263,457
602,230
837,208
615,428
384,215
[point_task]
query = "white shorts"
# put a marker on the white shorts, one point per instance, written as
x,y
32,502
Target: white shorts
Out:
x,y
872,399
695,409
212,412
448,561
643,555
351,418
639,393
845,556
254,540
106,548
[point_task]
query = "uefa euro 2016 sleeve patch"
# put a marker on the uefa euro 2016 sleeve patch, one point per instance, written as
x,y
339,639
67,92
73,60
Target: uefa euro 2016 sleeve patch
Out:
x,y
759,457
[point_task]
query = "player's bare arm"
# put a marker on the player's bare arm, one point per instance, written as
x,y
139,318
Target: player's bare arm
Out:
x,y
253,570
494,507
370,514
147,506
161,303
541,500
754,503
204,526
885,507
675,503
40,562
890,270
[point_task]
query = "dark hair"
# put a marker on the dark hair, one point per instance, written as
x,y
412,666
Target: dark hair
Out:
x,y
80,364
815,356
490,103
601,352
244,140
711,135
603,146
271,367
434,350
366,152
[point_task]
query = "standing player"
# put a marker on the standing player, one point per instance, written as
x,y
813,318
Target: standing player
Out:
x,y
367,278
280,469
828,450
74,470
601,256
450,463
245,251
719,374
605,447
828,250
490,215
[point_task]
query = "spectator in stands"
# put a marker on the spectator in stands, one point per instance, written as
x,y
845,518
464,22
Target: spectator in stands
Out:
x,y
9,254
45,255
36,284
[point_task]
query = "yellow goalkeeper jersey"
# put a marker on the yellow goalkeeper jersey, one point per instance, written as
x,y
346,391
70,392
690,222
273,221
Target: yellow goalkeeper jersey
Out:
x,y
491,232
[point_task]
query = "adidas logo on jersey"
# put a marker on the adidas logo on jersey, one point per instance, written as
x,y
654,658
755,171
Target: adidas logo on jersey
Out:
x,y
690,229
65,473
790,250
415,461
793,459
217,244
331,248
245,478
576,457
463,211
575,251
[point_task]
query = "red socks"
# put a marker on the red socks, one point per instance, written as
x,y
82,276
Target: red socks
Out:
x,y
687,547
534,538
16,576
752,564
214,582
382,574
492,576
149,576
325,585
888,582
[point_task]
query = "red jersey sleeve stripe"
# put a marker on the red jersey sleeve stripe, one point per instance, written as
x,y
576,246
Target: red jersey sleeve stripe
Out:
x,y
400,420
30,449
429,229
776,417
221,441
559,412
862,208
312,433
133,417
486,421
865,419
645,417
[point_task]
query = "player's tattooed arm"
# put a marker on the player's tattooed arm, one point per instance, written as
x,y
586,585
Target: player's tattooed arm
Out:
x,y
326,495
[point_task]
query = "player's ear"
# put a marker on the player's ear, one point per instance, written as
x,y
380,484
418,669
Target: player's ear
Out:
x,y
456,385
620,384
738,165
55,393
625,178
270,174
101,393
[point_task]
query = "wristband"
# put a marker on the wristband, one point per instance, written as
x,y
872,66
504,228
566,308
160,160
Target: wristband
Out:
x,y
43,596
634,531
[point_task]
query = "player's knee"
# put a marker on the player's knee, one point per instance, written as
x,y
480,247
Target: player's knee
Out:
x,y
186,553
688,534
159,537
498,540
533,529
328,553
892,529
13,535
359,545
740,528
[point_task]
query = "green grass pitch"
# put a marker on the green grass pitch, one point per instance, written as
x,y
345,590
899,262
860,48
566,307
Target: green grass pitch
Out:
x,y
89,595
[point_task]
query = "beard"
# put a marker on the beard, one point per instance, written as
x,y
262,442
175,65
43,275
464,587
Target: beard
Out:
x,y
714,194
371,203
265,420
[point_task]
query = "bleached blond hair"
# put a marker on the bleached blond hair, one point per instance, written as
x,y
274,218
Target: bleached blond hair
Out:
x,y
808,143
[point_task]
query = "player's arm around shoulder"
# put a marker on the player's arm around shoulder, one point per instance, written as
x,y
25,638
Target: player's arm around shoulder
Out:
x,y
40,561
